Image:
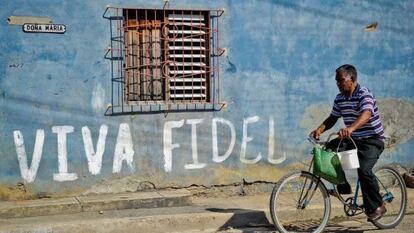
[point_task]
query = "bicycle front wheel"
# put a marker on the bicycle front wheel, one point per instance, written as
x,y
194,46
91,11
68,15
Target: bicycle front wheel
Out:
x,y
300,203
394,194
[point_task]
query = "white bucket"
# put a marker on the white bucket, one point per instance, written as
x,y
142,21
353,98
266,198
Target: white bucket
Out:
x,y
349,159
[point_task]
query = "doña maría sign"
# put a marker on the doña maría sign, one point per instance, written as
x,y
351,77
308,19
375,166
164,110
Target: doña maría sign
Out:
x,y
44,28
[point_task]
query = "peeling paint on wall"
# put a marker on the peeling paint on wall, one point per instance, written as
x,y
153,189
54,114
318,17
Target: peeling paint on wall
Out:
x,y
314,116
397,117
98,98
16,193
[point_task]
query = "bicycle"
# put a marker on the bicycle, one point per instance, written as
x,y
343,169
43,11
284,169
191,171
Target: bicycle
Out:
x,y
300,201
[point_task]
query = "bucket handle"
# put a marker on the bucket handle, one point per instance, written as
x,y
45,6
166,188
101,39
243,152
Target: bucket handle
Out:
x,y
341,141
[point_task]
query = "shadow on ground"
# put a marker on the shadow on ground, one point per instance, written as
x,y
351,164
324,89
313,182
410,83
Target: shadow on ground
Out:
x,y
243,218
249,221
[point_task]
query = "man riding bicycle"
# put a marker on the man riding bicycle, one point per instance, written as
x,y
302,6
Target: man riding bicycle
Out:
x,y
358,107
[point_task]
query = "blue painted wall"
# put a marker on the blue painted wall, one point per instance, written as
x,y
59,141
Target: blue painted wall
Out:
x,y
279,64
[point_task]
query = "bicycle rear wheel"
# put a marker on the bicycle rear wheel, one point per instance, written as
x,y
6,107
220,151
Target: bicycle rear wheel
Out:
x,y
394,194
300,203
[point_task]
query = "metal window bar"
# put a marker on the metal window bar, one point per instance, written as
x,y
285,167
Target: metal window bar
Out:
x,y
163,60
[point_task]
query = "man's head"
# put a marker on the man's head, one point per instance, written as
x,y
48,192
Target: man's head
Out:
x,y
346,79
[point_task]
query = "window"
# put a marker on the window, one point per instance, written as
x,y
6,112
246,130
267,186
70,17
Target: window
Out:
x,y
164,60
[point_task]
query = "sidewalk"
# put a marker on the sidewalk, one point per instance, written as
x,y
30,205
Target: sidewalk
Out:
x,y
175,211
51,206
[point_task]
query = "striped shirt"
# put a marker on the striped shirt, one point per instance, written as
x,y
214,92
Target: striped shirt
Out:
x,y
350,108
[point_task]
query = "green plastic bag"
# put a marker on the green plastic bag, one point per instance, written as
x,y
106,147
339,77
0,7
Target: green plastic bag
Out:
x,y
327,165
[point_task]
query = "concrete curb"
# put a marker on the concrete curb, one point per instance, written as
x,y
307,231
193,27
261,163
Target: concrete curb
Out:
x,y
41,207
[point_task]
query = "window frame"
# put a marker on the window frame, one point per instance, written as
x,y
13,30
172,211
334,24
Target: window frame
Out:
x,y
118,53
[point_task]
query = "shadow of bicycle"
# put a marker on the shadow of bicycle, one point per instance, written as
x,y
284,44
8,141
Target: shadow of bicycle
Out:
x,y
248,221
337,228
243,218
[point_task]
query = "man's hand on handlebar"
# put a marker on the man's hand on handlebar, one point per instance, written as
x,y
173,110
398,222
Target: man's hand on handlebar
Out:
x,y
315,134
342,133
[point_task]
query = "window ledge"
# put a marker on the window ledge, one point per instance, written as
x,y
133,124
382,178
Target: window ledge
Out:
x,y
163,107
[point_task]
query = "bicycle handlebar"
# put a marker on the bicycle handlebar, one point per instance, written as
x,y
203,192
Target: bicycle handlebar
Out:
x,y
316,142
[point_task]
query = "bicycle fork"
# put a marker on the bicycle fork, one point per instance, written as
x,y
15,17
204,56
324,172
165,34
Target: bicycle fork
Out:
x,y
388,197
306,196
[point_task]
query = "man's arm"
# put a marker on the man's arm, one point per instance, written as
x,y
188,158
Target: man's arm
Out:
x,y
360,121
326,125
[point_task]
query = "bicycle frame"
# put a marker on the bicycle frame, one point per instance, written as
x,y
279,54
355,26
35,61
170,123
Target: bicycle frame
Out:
x,y
388,197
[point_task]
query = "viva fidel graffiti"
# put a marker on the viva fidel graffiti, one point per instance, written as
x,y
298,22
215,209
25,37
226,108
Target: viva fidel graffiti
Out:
x,y
124,147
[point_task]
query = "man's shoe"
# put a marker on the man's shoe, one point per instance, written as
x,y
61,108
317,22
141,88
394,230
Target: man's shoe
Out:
x,y
377,214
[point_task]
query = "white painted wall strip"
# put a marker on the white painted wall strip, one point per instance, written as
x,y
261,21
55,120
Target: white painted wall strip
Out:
x,y
20,20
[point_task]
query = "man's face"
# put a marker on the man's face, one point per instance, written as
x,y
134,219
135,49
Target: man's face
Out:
x,y
344,83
